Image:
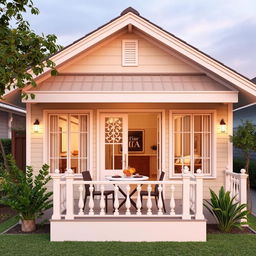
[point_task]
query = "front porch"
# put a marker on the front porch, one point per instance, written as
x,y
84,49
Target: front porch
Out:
x,y
147,222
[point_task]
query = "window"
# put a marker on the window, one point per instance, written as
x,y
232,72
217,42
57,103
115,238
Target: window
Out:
x,y
130,52
192,142
68,142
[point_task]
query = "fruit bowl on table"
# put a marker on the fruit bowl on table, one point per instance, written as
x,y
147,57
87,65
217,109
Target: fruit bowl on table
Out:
x,y
129,172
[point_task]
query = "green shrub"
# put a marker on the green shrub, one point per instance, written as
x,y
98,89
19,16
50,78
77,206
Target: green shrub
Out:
x,y
239,163
25,193
7,144
227,213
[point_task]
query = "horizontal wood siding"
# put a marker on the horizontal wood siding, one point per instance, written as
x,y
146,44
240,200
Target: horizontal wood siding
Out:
x,y
3,124
108,59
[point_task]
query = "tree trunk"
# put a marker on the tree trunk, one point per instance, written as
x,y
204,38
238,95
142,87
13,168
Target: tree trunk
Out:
x,y
4,155
28,225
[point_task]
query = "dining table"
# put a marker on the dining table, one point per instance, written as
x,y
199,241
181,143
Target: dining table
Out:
x,y
127,178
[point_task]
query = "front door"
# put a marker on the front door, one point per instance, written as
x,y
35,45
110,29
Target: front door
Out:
x,y
113,144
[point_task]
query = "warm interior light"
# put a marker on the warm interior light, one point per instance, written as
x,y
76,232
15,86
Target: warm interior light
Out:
x,y
36,126
223,126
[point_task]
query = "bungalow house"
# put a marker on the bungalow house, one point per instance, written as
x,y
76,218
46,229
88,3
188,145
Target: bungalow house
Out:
x,y
12,114
241,114
132,94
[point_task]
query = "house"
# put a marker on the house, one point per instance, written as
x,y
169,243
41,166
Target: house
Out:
x,y
13,126
12,114
243,113
132,94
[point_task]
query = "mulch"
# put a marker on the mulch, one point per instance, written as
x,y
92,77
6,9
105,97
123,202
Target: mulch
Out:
x,y
213,229
6,213
45,229
41,229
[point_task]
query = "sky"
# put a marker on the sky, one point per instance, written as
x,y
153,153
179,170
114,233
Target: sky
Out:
x,y
224,29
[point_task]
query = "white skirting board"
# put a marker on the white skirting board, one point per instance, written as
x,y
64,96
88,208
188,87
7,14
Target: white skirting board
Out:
x,y
128,230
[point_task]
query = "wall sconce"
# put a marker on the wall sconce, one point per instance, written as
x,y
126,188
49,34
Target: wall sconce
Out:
x,y
36,126
223,126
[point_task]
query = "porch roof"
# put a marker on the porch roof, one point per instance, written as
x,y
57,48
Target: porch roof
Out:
x,y
132,88
130,83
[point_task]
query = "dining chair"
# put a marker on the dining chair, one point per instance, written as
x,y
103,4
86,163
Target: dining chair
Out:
x,y
87,177
155,193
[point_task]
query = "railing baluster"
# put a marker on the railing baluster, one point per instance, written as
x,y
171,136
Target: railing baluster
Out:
x,y
149,201
91,201
81,201
102,201
128,201
172,201
160,200
138,203
116,201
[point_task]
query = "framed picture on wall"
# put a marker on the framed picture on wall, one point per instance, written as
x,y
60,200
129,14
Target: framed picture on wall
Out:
x,y
136,141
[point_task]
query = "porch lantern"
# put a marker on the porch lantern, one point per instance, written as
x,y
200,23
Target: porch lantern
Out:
x,y
223,126
36,126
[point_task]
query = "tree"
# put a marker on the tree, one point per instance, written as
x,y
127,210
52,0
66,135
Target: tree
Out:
x,y
244,138
23,53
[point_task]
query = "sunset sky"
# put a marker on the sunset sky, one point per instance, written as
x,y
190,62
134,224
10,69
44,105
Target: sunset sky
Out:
x,y
226,30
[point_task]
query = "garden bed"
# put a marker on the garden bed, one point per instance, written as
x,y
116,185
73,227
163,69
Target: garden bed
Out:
x,y
6,213
45,229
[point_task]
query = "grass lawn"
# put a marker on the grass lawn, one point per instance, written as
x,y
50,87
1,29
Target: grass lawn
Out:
x,y
39,245
252,221
8,223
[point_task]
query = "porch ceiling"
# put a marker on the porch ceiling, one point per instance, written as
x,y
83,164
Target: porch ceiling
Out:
x,y
133,88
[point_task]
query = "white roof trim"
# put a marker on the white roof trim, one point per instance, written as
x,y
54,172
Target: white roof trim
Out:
x,y
134,97
246,106
160,35
9,107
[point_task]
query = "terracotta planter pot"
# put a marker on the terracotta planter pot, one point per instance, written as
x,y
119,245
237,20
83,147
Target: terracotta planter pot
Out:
x,y
28,225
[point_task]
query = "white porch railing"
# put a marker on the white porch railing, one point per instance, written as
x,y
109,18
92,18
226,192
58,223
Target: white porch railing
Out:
x,y
66,186
236,183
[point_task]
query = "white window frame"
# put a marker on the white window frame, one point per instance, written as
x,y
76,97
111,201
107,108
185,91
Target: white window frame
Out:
x,y
213,172
124,64
46,144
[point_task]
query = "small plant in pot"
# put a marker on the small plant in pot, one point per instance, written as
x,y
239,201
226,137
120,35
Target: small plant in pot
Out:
x,y
25,193
228,213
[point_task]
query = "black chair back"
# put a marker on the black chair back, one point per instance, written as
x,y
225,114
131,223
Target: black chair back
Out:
x,y
160,179
87,177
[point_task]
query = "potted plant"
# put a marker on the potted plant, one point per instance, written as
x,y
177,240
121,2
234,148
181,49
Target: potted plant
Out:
x,y
25,193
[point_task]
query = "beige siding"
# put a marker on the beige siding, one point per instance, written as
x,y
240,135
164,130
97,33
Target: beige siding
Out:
x,y
3,124
108,59
221,139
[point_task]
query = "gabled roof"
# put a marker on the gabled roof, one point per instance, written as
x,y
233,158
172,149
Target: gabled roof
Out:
x,y
131,17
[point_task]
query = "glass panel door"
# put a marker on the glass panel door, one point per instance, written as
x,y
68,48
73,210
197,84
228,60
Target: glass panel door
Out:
x,y
114,146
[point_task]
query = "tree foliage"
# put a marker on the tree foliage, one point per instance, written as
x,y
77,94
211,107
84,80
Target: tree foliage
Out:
x,y
23,53
25,193
244,138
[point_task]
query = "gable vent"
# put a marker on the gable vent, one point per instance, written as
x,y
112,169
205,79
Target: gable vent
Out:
x,y
130,53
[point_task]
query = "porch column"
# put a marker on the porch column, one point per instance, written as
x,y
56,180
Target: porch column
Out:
x,y
185,194
199,195
243,187
56,195
69,195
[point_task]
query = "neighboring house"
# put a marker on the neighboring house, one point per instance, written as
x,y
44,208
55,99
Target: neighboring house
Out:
x,y
244,113
132,94
12,114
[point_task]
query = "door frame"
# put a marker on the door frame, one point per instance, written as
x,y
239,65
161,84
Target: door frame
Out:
x,y
127,111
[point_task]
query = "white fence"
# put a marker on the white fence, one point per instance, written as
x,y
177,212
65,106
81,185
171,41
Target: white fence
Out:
x,y
236,183
66,186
